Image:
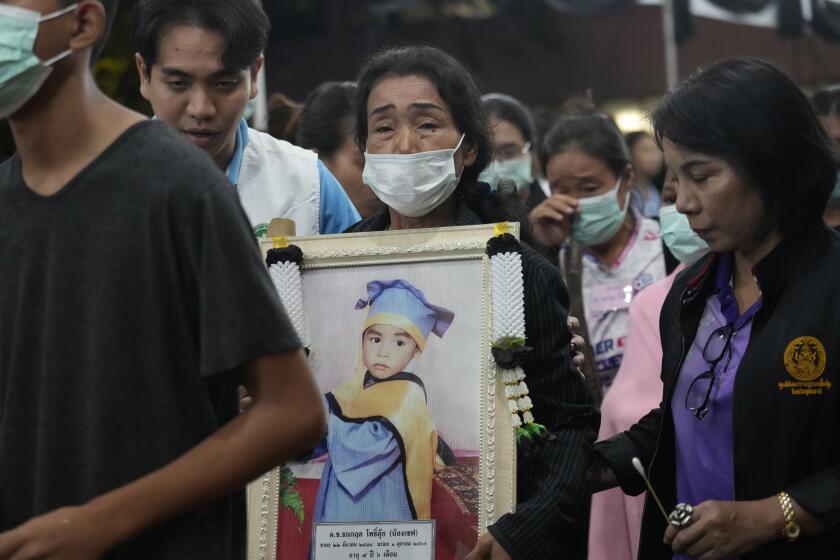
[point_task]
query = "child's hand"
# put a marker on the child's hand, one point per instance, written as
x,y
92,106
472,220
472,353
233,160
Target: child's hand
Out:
x,y
552,219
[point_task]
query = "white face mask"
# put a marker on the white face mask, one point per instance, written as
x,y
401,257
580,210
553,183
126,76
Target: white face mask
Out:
x,y
413,184
517,172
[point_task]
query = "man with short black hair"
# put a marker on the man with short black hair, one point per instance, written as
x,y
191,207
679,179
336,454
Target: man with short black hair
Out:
x,y
198,62
133,302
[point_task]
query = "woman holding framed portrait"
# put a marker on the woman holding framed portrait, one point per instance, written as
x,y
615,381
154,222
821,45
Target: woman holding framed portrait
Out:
x,y
426,139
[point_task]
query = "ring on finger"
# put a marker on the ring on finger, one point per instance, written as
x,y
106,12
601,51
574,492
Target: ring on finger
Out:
x,y
681,517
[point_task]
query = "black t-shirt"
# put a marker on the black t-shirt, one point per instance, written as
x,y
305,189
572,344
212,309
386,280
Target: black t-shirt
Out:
x,y
128,302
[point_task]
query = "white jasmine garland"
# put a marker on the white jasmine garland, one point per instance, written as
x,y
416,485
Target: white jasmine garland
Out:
x,y
285,276
287,281
508,330
508,296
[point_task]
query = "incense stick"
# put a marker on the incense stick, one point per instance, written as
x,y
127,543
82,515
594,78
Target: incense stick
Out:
x,y
641,470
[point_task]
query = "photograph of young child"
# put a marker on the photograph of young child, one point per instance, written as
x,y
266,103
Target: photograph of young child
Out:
x,y
382,444
397,353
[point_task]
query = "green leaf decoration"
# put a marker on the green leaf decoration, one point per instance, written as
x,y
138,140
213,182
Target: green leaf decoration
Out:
x,y
522,433
290,497
508,342
287,478
293,501
530,432
537,430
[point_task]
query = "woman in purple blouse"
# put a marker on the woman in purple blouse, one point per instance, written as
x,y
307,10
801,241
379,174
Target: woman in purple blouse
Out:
x,y
748,429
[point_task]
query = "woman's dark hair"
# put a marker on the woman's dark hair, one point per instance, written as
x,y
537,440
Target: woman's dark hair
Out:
x,y
283,115
454,84
327,118
243,24
748,113
594,134
827,101
458,90
507,108
632,138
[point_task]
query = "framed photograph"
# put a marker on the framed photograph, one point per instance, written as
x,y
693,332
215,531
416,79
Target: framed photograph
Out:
x,y
398,326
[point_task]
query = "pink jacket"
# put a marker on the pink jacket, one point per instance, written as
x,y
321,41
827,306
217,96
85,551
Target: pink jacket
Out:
x,y
616,519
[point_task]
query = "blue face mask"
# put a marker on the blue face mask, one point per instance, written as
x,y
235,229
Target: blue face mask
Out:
x,y
678,236
22,73
599,218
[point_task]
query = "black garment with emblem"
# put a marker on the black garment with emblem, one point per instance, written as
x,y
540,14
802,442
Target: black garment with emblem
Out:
x,y
781,441
552,513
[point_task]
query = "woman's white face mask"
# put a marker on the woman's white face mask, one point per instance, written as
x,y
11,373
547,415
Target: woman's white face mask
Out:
x,y
413,184
678,236
517,172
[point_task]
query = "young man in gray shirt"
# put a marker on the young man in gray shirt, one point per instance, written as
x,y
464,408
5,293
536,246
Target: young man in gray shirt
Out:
x,y
133,302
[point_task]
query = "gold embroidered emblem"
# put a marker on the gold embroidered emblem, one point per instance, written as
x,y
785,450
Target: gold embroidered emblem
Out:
x,y
805,358
805,361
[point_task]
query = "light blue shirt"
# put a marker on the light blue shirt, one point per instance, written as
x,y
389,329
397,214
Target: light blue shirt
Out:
x,y
337,213
235,166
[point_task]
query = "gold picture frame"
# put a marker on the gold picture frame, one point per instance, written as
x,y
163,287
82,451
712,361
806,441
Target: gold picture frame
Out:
x,y
450,263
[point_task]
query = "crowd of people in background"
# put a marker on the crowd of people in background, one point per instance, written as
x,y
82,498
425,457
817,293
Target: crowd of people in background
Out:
x,y
602,208
686,253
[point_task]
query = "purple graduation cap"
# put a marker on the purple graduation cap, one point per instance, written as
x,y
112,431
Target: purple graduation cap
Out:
x,y
398,303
